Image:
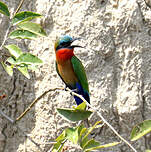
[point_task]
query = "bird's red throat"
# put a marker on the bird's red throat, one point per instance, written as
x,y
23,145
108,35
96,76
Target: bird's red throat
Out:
x,y
64,54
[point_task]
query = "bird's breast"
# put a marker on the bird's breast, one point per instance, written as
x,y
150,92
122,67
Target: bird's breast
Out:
x,y
64,54
66,71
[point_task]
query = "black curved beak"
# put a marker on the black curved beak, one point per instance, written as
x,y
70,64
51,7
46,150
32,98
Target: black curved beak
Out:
x,y
74,39
73,46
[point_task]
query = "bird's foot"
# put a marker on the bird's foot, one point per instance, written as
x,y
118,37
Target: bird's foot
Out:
x,y
74,90
65,89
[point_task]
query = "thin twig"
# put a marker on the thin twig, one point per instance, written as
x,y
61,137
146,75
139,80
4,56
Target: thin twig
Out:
x,y
19,7
5,37
50,150
6,117
35,101
103,119
50,142
10,25
62,143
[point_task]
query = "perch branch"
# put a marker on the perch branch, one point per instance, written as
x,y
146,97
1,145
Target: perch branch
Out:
x,y
103,119
73,93
35,101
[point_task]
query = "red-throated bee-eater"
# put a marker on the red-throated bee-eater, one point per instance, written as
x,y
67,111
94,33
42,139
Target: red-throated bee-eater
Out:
x,y
70,68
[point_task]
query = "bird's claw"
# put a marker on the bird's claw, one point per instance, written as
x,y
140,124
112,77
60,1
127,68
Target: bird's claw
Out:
x,y
65,89
74,90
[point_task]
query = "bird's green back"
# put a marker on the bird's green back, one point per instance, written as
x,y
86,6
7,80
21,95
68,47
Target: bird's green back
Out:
x,y
80,72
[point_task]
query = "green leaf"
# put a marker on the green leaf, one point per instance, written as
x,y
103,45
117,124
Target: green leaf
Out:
x,y
24,16
61,137
14,50
4,9
8,69
32,27
84,141
57,147
28,58
140,130
72,135
74,115
80,128
22,34
93,145
147,150
83,131
11,60
82,106
24,71
91,129
85,138
59,140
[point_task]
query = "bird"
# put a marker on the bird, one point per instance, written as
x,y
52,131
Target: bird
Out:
x,y
70,68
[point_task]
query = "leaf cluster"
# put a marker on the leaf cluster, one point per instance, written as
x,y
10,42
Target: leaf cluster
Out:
x,y
24,29
78,135
141,130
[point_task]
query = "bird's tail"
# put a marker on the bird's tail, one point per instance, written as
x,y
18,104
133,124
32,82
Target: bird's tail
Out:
x,y
84,95
82,92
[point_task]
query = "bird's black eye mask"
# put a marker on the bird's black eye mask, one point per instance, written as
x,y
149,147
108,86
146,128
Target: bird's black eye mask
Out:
x,y
63,45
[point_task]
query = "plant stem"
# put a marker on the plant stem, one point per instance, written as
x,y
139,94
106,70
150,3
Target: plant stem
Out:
x,y
75,94
5,37
103,119
10,25
35,101
19,7
6,117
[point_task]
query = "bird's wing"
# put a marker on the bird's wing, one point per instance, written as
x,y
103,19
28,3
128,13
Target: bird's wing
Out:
x,y
80,72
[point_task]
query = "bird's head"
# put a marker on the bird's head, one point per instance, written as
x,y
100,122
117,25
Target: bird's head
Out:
x,y
65,42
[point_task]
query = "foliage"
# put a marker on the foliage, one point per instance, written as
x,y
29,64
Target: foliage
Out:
x,y
140,130
4,9
79,135
75,114
25,30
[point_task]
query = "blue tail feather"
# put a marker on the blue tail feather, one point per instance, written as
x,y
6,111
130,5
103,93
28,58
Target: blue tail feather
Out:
x,y
82,92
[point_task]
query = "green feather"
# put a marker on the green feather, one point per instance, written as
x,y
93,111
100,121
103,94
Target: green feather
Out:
x,y
80,72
